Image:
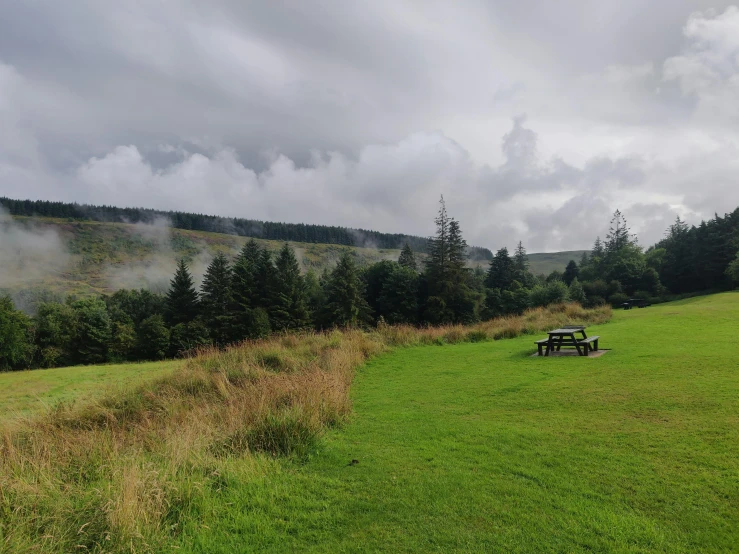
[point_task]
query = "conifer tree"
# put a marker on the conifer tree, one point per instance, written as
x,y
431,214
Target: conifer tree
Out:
x,y
290,309
501,272
450,299
407,258
571,272
619,235
345,302
182,302
217,300
520,258
250,318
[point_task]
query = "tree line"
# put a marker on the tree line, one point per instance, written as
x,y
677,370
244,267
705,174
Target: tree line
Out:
x,y
294,232
258,293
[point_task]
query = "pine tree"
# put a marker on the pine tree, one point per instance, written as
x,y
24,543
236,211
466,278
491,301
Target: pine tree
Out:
x,y
290,309
619,236
521,271
217,300
182,303
407,258
501,271
520,260
457,249
571,272
576,292
345,302
251,319
449,299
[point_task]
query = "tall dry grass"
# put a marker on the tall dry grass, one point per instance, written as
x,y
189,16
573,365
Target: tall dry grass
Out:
x,y
118,475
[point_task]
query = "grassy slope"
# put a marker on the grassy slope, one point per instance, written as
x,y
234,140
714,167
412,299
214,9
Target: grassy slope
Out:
x,y
27,392
546,262
479,447
108,256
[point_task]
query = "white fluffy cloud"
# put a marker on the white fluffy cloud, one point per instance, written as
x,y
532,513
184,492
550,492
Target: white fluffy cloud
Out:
x,y
363,118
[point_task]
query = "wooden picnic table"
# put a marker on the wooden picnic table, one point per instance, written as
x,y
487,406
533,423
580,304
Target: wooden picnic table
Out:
x,y
565,336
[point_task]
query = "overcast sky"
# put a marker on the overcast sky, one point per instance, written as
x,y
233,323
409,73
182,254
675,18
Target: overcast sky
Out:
x,y
535,119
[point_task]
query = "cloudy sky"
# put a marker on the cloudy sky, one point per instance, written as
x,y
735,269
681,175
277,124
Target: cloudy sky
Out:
x,y
535,119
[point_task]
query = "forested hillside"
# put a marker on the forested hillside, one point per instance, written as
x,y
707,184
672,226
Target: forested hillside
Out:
x,y
259,288
267,230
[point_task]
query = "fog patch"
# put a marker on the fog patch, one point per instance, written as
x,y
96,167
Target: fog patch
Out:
x,y
29,253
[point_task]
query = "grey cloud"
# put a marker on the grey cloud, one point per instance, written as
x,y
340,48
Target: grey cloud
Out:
x,y
337,113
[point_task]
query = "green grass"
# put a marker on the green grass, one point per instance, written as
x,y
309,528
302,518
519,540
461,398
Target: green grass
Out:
x,y
546,262
482,448
27,392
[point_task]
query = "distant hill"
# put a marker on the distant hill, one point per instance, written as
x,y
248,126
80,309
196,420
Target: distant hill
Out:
x,y
547,262
44,256
268,230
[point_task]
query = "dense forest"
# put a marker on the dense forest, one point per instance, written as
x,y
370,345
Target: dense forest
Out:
x,y
259,293
295,232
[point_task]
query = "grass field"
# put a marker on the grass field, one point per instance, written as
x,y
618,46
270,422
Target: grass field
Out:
x,y
468,447
481,448
27,392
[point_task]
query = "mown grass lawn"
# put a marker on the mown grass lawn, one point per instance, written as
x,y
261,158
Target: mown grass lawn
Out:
x,y
27,392
482,448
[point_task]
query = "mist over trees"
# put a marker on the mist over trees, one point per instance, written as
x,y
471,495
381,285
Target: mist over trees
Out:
x,y
258,293
294,232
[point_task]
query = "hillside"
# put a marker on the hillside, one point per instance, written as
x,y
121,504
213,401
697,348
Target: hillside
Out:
x,y
42,254
546,262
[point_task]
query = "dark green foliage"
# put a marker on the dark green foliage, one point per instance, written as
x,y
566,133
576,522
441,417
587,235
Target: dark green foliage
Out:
x,y
571,272
291,304
576,292
183,301
398,300
16,344
446,292
93,331
407,258
252,292
216,300
184,338
375,276
56,328
136,304
501,273
552,292
345,301
152,338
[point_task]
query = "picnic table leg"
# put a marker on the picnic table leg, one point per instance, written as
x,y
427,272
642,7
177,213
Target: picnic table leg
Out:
x,y
549,346
584,336
579,352
559,344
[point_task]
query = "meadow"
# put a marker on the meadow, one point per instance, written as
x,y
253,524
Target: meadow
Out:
x,y
402,440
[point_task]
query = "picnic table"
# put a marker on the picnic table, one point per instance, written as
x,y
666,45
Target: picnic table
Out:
x,y
638,302
565,336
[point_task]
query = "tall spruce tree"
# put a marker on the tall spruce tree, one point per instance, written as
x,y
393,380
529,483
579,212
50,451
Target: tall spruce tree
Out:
x,y
501,272
520,261
450,298
217,300
182,302
571,272
250,318
619,235
290,309
407,258
345,302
